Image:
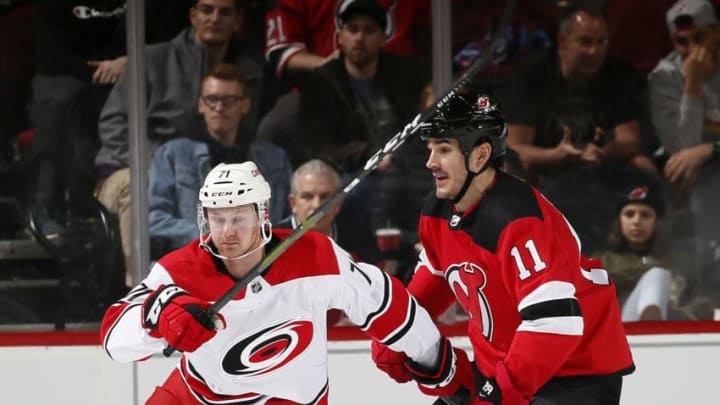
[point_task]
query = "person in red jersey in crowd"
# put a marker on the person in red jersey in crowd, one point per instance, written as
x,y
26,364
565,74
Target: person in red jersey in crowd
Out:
x,y
303,35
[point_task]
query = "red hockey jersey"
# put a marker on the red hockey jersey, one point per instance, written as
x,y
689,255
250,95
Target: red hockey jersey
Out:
x,y
275,342
297,25
513,262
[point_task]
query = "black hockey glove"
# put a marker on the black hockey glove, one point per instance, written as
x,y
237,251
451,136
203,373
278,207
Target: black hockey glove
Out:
x,y
498,390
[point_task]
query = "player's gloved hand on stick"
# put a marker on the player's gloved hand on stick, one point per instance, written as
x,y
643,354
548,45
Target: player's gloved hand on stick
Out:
x,y
390,361
181,319
498,390
448,376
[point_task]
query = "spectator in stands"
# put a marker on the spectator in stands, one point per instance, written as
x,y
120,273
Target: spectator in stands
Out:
x,y
80,53
634,256
180,165
174,71
313,183
685,109
577,77
348,108
302,38
573,119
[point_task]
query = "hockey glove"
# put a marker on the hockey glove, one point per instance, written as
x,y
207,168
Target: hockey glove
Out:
x,y
171,313
391,362
451,373
499,390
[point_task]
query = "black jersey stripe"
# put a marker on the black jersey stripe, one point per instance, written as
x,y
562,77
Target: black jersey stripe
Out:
x,y
551,309
383,305
405,328
320,394
112,328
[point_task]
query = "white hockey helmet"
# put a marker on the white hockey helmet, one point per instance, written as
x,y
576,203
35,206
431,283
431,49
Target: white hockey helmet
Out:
x,y
233,185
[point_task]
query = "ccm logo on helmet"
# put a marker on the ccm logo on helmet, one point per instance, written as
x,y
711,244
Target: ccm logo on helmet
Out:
x,y
221,193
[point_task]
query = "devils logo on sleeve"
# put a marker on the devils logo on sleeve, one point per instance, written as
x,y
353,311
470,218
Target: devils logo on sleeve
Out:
x,y
268,349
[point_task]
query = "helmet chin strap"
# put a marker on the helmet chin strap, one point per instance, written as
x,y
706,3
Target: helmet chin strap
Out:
x,y
206,246
469,178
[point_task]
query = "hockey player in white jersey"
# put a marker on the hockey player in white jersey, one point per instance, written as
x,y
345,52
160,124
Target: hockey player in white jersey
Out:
x,y
269,344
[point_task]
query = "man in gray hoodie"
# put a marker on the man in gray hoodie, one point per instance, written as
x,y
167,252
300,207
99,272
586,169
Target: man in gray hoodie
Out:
x,y
685,107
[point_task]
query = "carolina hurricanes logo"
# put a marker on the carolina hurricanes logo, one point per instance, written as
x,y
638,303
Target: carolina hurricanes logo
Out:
x,y
268,349
638,194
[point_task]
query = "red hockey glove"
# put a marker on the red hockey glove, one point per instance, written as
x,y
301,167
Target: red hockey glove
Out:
x,y
452,372
171,313
390,361
499,390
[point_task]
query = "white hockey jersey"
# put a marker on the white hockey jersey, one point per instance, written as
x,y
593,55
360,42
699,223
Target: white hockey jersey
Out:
x,y
275,342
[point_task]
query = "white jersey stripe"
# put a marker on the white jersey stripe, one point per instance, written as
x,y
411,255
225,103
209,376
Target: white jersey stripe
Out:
x,y
552,290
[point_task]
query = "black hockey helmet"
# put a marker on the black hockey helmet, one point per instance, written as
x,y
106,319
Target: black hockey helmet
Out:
x,y
471,119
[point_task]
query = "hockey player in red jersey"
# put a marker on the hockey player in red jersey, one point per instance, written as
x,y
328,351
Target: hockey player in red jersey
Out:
x,y
269,344
544,322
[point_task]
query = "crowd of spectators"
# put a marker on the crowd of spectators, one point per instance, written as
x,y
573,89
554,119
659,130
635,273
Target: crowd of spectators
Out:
x,y
623,139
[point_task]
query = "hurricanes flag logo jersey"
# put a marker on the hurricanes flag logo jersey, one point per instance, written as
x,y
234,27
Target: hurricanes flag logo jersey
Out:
x,y
268,349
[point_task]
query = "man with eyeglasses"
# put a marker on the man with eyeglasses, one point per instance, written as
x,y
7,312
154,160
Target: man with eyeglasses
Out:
x,y
685,109
180,165
574,120
174,70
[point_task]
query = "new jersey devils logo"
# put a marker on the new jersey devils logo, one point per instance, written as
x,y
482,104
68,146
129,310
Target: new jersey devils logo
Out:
x,y
268,349
467,281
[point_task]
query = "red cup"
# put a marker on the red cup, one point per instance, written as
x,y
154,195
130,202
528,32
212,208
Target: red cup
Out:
x,y
388,238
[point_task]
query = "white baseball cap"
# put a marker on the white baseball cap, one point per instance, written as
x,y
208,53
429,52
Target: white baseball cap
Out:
x,y
690,14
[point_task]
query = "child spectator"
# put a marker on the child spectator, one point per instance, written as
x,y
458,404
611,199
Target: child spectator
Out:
x,y
641,281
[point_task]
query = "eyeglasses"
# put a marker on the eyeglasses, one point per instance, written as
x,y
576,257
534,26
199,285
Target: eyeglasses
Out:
x,y
214,101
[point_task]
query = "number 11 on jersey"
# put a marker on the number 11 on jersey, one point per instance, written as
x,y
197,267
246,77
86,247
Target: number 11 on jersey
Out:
x,y
538,263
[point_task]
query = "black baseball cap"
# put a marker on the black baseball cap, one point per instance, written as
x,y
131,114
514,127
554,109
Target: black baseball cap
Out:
x,y
370,8
645,193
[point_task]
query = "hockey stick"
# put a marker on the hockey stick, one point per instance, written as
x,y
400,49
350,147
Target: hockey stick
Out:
x,y
390,146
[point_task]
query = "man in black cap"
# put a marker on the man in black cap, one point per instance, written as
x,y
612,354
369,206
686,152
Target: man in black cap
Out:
x,y
301,38
349,107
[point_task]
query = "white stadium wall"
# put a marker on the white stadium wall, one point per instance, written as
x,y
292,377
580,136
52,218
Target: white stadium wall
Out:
x,y
671,369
